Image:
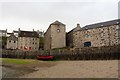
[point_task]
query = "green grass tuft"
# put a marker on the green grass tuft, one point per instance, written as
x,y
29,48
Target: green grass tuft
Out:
x,y
15,61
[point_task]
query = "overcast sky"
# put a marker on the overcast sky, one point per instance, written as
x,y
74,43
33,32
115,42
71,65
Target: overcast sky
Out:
x,y
36,15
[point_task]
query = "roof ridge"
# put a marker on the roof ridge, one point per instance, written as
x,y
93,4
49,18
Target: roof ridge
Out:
x,y
57,22
102,24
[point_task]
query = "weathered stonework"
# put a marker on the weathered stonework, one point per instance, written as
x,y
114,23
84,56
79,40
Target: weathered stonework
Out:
x,y
70,37
25,40
12,42
3,33
98,35
55,36
28,43
28,40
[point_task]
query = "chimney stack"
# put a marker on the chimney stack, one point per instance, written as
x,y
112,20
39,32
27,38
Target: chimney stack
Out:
x,y
77,28
78,25
18,29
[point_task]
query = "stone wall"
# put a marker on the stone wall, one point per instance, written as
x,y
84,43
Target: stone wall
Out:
x,y
12,42
28,43
47,39
104,36
55,36
87,53
58,36
69,39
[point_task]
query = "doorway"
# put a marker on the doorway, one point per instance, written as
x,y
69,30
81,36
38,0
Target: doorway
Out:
x,y
87,44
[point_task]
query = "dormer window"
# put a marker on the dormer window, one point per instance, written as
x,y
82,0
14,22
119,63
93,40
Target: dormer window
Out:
x,y
117,22
58,30
117,27
86,28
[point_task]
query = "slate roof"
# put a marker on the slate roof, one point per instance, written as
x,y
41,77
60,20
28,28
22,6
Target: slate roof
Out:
x,y
3,31
15,31
74,29
28,34
12,37
54,23
9,33
57,23
102,24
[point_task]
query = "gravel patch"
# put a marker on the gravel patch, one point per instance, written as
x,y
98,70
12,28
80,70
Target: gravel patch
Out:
x,y
78,69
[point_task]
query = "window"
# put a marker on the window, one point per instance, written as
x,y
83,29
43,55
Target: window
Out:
x,y
14,41
58,30
86,36
9,41
33,42
117,22
30,48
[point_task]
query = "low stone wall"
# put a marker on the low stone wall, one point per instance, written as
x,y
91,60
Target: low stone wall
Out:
x,y
87,53
19,54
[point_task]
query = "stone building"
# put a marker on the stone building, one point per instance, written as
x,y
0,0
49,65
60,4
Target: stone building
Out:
x,y
41,33
69,36
3,33
55,36
28,40
96,35
3,39
16,33
12,42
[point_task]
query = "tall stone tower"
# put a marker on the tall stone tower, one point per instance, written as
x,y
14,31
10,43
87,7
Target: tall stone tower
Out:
x,y
55,36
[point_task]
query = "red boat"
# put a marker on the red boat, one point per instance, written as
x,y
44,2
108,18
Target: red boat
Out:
x,y
39,57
